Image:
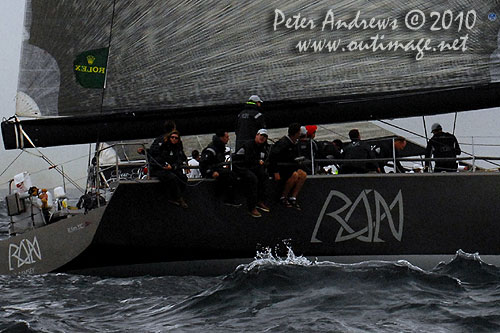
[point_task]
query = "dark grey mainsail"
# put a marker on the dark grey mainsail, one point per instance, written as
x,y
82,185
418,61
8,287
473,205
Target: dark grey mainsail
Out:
x,y
198,61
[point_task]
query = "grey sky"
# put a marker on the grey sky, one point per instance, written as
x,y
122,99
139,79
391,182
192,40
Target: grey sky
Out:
x,y
11,29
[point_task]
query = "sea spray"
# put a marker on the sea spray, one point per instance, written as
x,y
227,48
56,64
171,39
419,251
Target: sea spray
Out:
x,y
267,257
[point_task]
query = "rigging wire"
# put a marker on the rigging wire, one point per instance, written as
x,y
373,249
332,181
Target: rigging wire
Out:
x,y
332,131
199,142
404,129
425,129
88,166
46,159
422,136
45,169
8,166
455,123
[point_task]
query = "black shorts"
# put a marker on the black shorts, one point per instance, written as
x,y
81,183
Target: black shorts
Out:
x,y
286,172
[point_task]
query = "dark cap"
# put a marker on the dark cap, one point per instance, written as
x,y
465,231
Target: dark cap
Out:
x,y
436,127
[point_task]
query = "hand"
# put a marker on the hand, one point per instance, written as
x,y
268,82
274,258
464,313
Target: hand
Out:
x,y
215,174
167,167
261,162
277,176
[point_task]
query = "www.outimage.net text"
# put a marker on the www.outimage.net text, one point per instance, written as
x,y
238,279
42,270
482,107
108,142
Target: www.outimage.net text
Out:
x,y
461,22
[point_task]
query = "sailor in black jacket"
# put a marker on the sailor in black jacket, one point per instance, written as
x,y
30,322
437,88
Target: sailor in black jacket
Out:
x,y
283,165
358,149
249,164
330,150
213,156
213,165
385,150
167,159
442,144
249,121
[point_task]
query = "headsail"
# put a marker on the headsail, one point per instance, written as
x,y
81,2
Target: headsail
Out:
x,y
320,62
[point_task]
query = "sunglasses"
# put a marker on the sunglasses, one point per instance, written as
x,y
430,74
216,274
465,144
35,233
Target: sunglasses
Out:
x,y
174,137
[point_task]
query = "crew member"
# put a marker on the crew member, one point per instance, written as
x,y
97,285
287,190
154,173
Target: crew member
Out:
x,y
249,164
46,204
167,161
195,163
330,150
249,121
213,166
308,148
283,164
442,145
385,150
358,149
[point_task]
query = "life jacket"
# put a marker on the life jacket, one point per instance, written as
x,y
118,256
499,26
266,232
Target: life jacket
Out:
x,y
444,145
358,150
249,121
304,148
250,155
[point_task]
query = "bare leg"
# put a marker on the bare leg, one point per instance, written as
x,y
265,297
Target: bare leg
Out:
x,y
301,179
289,184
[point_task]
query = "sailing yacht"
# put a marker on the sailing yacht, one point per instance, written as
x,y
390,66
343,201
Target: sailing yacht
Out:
x,y
105,71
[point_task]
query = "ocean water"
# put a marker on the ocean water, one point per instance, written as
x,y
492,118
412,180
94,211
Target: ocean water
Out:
x,y
271,294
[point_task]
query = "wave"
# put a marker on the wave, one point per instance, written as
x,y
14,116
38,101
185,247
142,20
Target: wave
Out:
x,y
292,293
469,268
4,218
293,284
272,293
3,209
17,327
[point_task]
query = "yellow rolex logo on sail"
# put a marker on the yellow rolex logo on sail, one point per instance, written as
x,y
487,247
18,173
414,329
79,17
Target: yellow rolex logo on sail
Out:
x,y
90,69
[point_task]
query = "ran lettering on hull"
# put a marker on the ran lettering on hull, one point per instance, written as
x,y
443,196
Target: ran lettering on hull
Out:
x,y
78,227
25,253
371,232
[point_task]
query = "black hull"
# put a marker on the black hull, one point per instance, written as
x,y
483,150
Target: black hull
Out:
x,y
427,215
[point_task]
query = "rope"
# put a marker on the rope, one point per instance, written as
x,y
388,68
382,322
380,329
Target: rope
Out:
x,y
52,164
403,129
8,166
455,123
425,131
332,131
